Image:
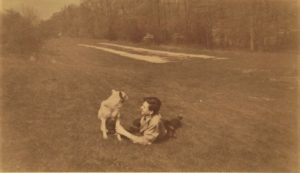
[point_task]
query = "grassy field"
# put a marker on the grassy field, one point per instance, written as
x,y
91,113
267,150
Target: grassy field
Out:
x,y
239,114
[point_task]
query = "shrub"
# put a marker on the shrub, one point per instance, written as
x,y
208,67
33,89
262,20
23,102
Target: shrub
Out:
x,y
148,38
178,38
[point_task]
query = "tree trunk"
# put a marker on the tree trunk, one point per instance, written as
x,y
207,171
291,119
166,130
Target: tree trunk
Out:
x,y
187,18
252,35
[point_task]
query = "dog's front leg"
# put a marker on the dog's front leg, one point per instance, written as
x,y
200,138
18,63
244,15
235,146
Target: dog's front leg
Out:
x,y
118,135
103,128
118,121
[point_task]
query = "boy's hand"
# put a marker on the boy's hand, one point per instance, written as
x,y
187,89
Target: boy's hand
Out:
x,y
135,139
119,128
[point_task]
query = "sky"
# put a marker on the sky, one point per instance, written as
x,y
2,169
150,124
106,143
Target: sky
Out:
x,y
44,8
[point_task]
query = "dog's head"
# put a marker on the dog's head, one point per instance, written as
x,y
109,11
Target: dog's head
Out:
x,y
120,94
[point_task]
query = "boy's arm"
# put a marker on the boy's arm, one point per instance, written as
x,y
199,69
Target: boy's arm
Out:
x,y
135,139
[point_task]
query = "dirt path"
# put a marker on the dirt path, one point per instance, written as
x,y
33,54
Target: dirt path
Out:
x,y
148,58
163,53
156,56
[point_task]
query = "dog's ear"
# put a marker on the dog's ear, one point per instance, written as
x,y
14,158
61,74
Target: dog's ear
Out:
x,y
124,95
113,91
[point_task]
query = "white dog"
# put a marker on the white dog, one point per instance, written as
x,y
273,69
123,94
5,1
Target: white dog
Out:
x,y
110,108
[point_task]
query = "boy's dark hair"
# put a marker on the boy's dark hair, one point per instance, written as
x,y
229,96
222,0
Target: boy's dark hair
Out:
x,y
154,104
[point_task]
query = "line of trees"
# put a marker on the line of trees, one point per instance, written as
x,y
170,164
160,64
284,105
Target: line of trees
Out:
x,y
238,24
20,32
227,24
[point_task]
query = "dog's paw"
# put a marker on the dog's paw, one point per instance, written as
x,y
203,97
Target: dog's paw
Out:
x,y
105,136
119,137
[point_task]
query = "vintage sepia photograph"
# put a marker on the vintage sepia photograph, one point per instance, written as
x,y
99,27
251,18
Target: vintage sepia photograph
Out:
x,y
149,86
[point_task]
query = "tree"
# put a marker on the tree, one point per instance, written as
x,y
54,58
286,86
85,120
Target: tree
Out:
x,y
227,24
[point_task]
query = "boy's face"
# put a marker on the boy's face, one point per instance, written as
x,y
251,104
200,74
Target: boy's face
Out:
x,y
145,109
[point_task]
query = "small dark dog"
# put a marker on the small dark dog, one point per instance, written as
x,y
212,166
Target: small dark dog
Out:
x,y
111,126
172,125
